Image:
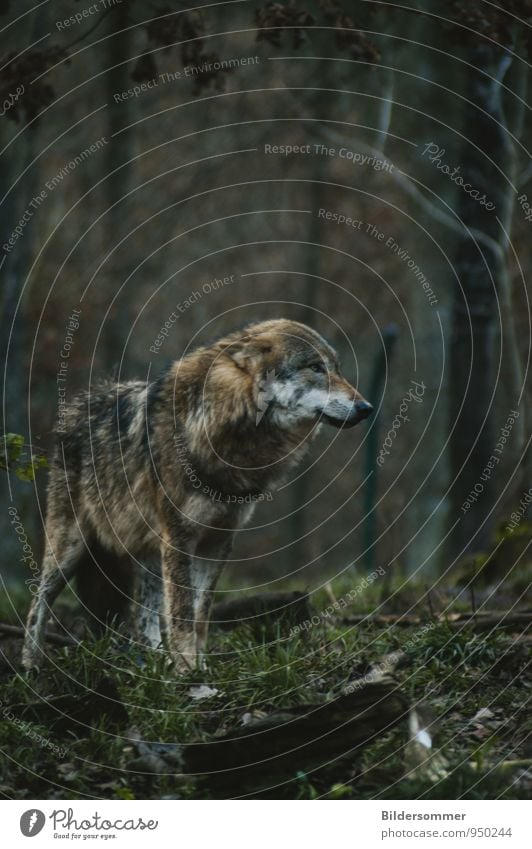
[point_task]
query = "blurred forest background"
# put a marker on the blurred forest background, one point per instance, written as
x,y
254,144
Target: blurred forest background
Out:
x,y
136,170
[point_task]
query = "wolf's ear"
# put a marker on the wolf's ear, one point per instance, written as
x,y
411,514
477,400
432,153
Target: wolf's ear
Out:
x,y
248,351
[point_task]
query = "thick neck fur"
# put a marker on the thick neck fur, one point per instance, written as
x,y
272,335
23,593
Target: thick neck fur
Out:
x,y
215,405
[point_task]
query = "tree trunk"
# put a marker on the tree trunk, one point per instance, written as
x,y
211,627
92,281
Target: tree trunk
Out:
x,y
479,269
120,151
14,336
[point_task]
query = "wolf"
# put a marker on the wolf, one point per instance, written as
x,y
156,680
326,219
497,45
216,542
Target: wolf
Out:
x,y
171,469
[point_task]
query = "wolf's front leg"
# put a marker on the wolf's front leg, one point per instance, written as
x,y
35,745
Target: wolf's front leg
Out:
x,y
178,606
147,604
210,555
206,574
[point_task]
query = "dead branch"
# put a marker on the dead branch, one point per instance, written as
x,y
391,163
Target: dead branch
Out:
x,y
275,749
481,620
19,631
291,608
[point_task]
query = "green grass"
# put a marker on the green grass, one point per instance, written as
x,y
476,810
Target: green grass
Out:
x,y
451,674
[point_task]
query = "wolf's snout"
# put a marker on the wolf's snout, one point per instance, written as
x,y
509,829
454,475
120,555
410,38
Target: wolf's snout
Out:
x,y
360,410
364,409
340,415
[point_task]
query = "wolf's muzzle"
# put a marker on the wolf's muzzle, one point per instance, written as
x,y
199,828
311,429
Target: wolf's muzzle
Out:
x,y
357,413
363,410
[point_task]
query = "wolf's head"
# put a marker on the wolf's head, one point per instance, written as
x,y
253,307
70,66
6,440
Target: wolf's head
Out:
x,y
294,376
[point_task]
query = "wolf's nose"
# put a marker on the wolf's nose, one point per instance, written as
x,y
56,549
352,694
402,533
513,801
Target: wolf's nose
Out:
x,y
364,409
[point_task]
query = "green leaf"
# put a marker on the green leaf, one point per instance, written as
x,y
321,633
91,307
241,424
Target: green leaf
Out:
x,y
14,443
14,459
25,473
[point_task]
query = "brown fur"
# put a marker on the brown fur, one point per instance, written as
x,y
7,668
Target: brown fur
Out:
x,y
169,469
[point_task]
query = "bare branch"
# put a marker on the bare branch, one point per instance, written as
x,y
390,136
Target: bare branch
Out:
x,y
524,176
385,115
430,208
91,29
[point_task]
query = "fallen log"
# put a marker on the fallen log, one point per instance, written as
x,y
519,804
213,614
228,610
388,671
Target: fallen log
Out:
x,y
76,713
273,750
289,608
481,621
499,620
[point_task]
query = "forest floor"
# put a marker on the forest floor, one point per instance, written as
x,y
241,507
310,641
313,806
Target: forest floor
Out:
x,y
73,731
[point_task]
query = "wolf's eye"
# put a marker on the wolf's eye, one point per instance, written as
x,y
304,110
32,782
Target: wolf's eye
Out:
x,y
319,368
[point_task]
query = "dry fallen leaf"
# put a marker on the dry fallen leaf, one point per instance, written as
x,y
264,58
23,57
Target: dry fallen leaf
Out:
x,y
202,691
483,713
420,759
252,716
68,771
